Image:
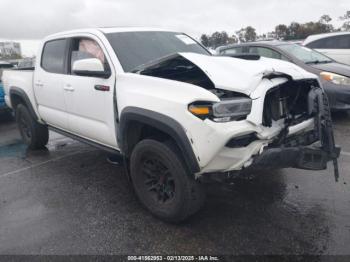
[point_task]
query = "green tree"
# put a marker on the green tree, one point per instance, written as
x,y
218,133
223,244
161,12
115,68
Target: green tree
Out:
x,y
205,40
294,31
325,19
250,34
247,34
233,39
281,31
219,39
301,31
346,19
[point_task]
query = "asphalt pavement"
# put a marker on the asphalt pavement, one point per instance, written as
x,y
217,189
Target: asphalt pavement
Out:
x,y
69,200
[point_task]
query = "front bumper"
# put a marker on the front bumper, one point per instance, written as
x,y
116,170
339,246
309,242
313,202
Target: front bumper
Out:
x,y
338,96
307,157
283,145
235,158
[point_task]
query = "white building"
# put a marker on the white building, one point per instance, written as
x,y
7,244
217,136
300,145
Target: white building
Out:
x,y
10,49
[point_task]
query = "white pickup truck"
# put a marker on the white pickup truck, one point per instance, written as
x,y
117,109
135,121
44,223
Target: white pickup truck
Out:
x,y
177,114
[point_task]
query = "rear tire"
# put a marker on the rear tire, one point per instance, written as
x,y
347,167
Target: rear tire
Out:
x,y
34,134
162,183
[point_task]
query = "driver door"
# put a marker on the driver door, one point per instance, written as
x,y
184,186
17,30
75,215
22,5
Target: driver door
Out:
x,y
90,99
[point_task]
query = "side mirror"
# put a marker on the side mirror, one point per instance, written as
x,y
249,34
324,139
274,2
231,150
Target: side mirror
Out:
x,y
90,67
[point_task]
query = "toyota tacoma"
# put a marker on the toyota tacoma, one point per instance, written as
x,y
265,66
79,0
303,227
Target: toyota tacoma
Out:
x,y
177,114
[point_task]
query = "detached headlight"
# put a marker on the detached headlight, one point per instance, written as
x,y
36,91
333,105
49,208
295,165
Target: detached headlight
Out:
x,y
335,78
224,111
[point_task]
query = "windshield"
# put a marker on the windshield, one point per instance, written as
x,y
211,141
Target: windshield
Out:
x,y
138,48
307,55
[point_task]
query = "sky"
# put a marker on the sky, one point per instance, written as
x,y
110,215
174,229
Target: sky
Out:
x,y
29,21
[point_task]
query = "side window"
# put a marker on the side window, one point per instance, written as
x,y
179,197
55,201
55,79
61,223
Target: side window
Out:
x,y
265,52
83,48
53,56
334,42
318,44
233,51
343,42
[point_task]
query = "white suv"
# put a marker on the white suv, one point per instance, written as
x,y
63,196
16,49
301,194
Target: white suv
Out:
x,y
334,45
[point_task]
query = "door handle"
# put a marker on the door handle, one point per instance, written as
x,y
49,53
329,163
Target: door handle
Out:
x,y
39,84
68,88
101,88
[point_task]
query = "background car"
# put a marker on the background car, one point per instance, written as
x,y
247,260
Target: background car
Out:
x,y
3,107
334,76
334,45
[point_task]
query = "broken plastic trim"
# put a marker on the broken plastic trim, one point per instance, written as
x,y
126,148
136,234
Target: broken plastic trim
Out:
x,y
242,141
288,101
324,126
307,157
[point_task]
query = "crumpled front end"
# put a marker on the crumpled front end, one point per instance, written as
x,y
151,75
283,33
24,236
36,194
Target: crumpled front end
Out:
x,y
289,126
264,111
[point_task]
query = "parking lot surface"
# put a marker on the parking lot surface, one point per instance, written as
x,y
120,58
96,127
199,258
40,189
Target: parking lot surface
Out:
x,y
69,200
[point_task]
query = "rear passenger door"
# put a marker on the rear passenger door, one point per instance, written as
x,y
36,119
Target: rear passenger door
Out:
x,y
48,83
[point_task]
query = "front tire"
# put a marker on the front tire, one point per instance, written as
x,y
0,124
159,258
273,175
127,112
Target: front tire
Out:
x,y
34,134
162,183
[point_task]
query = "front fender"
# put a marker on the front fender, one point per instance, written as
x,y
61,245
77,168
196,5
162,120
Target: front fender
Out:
x,y
161,122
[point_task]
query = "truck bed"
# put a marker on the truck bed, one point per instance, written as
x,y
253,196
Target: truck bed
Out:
x,y
18,78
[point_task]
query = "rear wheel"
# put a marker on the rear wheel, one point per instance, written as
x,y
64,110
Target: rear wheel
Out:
x,y
34,134
162,183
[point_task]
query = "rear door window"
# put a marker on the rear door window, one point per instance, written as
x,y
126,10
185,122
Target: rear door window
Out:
x,y
233,51
334,42
54,56
265,52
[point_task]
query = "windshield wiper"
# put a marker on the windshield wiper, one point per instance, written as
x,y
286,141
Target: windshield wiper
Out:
x,y
318,62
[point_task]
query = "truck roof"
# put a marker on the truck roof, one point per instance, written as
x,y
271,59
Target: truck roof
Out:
x,y
107,30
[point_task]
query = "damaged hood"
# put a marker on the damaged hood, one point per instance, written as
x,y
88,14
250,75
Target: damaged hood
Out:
x,y
241,75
